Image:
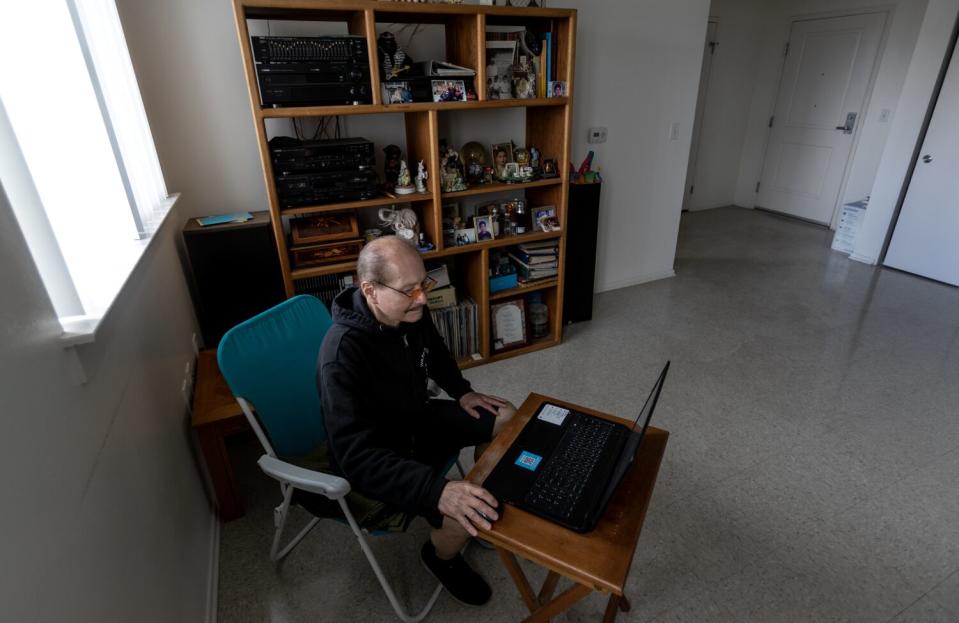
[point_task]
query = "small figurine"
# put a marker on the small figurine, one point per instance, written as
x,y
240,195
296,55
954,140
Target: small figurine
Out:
x,y
393,61
534,157
421,177
404,185
488,175
391,167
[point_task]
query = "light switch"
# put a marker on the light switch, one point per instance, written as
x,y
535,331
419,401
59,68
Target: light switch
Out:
x,y
674,131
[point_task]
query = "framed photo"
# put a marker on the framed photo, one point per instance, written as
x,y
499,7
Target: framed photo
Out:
x,y
324,228
502,155
511,171
397,93
509,324
543,217
556,88
465,236
449,90
484,228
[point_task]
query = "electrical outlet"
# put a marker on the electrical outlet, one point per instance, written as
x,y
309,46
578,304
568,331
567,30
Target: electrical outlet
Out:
x,y
596,135
674,131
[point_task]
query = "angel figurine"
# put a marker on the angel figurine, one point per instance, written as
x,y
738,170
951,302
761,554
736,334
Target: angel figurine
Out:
x,y
421,177
404,185
403,222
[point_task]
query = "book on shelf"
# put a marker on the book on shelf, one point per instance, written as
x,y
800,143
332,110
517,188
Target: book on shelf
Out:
x,y
324,287
532,274
534,260
442,68
542,247
458,325
440,274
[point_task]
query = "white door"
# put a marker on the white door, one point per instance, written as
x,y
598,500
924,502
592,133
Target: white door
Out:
x,y
926,238
708,53
825,80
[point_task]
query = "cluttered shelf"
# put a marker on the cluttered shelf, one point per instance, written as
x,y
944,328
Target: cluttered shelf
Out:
x,y
485,189
371,109
363,203
420,12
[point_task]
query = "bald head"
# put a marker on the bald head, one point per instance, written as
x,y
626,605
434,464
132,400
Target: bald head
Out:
x,y
381,260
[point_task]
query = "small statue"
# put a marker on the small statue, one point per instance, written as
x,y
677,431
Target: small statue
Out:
x,y
393,61
404,185
488,175
421,177
391,168
534,157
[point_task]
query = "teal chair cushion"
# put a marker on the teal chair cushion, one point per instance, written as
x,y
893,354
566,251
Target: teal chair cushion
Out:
x,y
270,361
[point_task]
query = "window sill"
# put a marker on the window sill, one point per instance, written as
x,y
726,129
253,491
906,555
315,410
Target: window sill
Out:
x,y
78,330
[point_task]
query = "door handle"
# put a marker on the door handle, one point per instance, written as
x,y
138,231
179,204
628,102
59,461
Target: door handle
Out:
x,y
927,158
850,124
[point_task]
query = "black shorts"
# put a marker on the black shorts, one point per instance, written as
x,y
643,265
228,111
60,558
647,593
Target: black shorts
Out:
x,y
445,430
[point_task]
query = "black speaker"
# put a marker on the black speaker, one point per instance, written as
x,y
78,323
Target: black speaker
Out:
x,y
235,273
582,223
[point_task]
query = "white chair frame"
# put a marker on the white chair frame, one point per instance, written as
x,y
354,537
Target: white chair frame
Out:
x,y
292,477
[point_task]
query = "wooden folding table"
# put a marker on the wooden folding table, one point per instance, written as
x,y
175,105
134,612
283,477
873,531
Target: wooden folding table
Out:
x,y
595,561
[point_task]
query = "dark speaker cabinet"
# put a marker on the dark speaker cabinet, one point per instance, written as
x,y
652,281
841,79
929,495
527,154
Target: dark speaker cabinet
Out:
x,y
235,272
582,223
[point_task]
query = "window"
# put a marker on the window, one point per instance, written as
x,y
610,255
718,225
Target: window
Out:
x,y
77,159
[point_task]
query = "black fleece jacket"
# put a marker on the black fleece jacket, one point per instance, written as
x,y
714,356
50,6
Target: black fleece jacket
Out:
x,y
373,387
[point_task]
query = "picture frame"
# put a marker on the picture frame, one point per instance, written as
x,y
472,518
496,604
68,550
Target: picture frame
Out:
x,y
524,85
543,217
324,228
397,93
484,228
465,236
511,171
556,88
451,222
449,90
502,155
508,324
500,59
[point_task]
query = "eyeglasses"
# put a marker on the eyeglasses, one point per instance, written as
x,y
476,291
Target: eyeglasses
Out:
x,y
424,288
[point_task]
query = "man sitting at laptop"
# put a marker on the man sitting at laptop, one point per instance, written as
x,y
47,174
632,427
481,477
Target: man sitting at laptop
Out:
x,y
385,434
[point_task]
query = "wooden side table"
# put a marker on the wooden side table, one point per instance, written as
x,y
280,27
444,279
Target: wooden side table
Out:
x,y
595,561
216,414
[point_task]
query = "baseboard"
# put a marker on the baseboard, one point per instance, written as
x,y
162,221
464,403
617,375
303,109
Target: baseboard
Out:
x,y
213,583
634,281
864,259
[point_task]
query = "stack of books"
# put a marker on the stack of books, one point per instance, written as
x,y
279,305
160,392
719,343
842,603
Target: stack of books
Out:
x,y
535,260
324,287
457,325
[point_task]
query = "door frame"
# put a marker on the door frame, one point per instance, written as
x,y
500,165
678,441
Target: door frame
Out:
x,y
701,99
889,11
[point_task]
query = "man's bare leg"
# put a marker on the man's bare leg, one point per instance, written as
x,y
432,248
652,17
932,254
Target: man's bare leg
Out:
x,y
449,540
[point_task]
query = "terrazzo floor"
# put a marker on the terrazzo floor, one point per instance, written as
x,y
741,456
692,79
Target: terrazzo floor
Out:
x,y
812,472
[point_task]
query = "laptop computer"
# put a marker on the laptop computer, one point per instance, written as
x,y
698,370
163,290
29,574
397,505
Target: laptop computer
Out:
x,y
565,465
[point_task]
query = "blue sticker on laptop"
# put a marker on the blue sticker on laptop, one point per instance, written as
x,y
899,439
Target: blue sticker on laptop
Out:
x,y
528,460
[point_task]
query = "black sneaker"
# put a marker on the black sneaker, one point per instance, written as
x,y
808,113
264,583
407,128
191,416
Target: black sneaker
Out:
x,y
465,585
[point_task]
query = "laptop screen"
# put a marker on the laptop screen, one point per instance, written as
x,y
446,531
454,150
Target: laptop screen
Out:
x,y
651,401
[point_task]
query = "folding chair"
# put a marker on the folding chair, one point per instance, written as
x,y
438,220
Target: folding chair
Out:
x,y
269,362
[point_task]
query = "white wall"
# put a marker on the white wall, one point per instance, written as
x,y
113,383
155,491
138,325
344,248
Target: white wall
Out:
x,y
637,72
913,105
104,514
902,29
732,80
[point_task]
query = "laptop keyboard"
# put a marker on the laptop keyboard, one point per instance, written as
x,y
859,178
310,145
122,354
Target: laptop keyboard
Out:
x,y
559,486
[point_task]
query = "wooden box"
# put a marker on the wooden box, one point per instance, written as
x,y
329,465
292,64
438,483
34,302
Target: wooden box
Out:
x,y
329,253
324,228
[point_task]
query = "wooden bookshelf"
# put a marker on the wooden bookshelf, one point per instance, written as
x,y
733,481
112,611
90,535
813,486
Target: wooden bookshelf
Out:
x,y
548,124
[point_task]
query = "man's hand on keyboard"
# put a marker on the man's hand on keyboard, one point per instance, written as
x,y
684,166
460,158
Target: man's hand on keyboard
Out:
x,y
471,400
471,505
